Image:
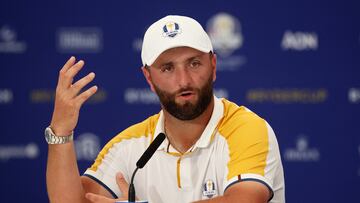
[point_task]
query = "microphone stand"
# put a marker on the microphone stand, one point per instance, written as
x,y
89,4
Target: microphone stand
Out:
x,y
142,161
131,193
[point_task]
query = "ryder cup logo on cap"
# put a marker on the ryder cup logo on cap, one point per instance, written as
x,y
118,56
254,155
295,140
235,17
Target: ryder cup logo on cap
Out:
x,y
171,29
170,32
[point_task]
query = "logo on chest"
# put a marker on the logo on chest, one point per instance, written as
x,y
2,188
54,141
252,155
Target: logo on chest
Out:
x,y
209,189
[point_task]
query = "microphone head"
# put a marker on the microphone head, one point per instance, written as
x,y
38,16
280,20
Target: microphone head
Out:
x,y
150,150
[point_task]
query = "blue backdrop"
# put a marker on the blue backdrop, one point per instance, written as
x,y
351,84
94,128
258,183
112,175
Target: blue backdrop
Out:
x,y
295,63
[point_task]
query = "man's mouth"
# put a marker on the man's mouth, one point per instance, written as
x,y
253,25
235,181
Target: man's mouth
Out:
x,y
186,94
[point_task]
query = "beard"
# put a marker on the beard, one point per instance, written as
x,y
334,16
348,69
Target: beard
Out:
x,y
188,110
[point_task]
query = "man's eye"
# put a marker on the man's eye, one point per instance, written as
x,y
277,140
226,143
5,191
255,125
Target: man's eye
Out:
x,y
166,68
195,64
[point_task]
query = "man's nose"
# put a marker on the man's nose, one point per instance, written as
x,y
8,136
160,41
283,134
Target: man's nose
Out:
x,y
183,77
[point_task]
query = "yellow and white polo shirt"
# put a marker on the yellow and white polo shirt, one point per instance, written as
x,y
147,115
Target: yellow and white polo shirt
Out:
x,y
236,145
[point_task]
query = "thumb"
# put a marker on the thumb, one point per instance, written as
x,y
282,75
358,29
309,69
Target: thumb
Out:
x,y
122,184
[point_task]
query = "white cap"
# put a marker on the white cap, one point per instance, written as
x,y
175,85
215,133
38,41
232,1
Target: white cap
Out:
x,y
170,32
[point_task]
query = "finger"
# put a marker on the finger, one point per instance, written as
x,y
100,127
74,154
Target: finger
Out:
x,y
76,87
67,78
68,64
63,70
73,70
122,184
86,95
98,198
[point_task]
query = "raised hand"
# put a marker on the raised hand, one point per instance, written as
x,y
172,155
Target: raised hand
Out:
x,y
68,101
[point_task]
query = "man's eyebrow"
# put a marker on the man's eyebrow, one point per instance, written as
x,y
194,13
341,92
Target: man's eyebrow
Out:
x,y
187,60
166,64
196,56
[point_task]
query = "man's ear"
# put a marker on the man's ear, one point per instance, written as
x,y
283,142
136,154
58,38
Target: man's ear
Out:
x,y
213,63
146,72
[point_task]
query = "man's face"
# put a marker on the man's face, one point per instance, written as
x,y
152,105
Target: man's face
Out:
x,y
183,80
186,110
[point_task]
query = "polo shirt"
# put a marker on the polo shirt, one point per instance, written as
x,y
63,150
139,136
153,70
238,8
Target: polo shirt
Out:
x,y
236,145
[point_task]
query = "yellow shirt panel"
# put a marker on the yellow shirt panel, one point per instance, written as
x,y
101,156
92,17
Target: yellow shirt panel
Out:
x,y
247,138
145,128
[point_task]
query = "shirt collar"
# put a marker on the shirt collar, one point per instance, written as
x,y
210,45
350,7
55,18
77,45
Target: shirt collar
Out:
x,y
160,129
209,130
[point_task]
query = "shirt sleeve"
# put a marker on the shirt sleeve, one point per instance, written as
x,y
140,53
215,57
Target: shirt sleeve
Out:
x,y
253,152
109,162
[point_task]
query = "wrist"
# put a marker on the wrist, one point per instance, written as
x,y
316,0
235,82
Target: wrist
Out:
x,y
59,131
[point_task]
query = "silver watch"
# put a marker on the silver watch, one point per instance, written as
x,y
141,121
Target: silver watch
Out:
x,y
51,138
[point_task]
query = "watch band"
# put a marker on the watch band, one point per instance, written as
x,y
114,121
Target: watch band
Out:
x,y
51,138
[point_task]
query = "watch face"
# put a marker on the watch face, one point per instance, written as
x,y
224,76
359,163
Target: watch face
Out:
x,y
48,135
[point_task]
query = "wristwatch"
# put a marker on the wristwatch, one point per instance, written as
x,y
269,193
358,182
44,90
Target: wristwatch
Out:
x,y
51,138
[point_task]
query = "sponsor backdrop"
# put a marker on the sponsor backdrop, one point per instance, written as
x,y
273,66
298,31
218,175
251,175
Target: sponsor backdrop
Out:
x,y
296,64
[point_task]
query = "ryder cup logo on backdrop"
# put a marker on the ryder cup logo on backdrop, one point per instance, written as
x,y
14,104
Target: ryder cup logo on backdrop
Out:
x,y
171,29
302,152
6,96
8,41
209,189
87,146
225,33
354,95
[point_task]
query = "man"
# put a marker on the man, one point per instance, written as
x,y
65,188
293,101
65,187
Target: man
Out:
x,y
215,151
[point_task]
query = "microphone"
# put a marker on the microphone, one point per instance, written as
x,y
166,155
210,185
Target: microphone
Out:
x,y
142,161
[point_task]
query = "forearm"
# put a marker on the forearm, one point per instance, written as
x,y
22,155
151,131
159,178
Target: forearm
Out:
x,y
244,192
62,174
